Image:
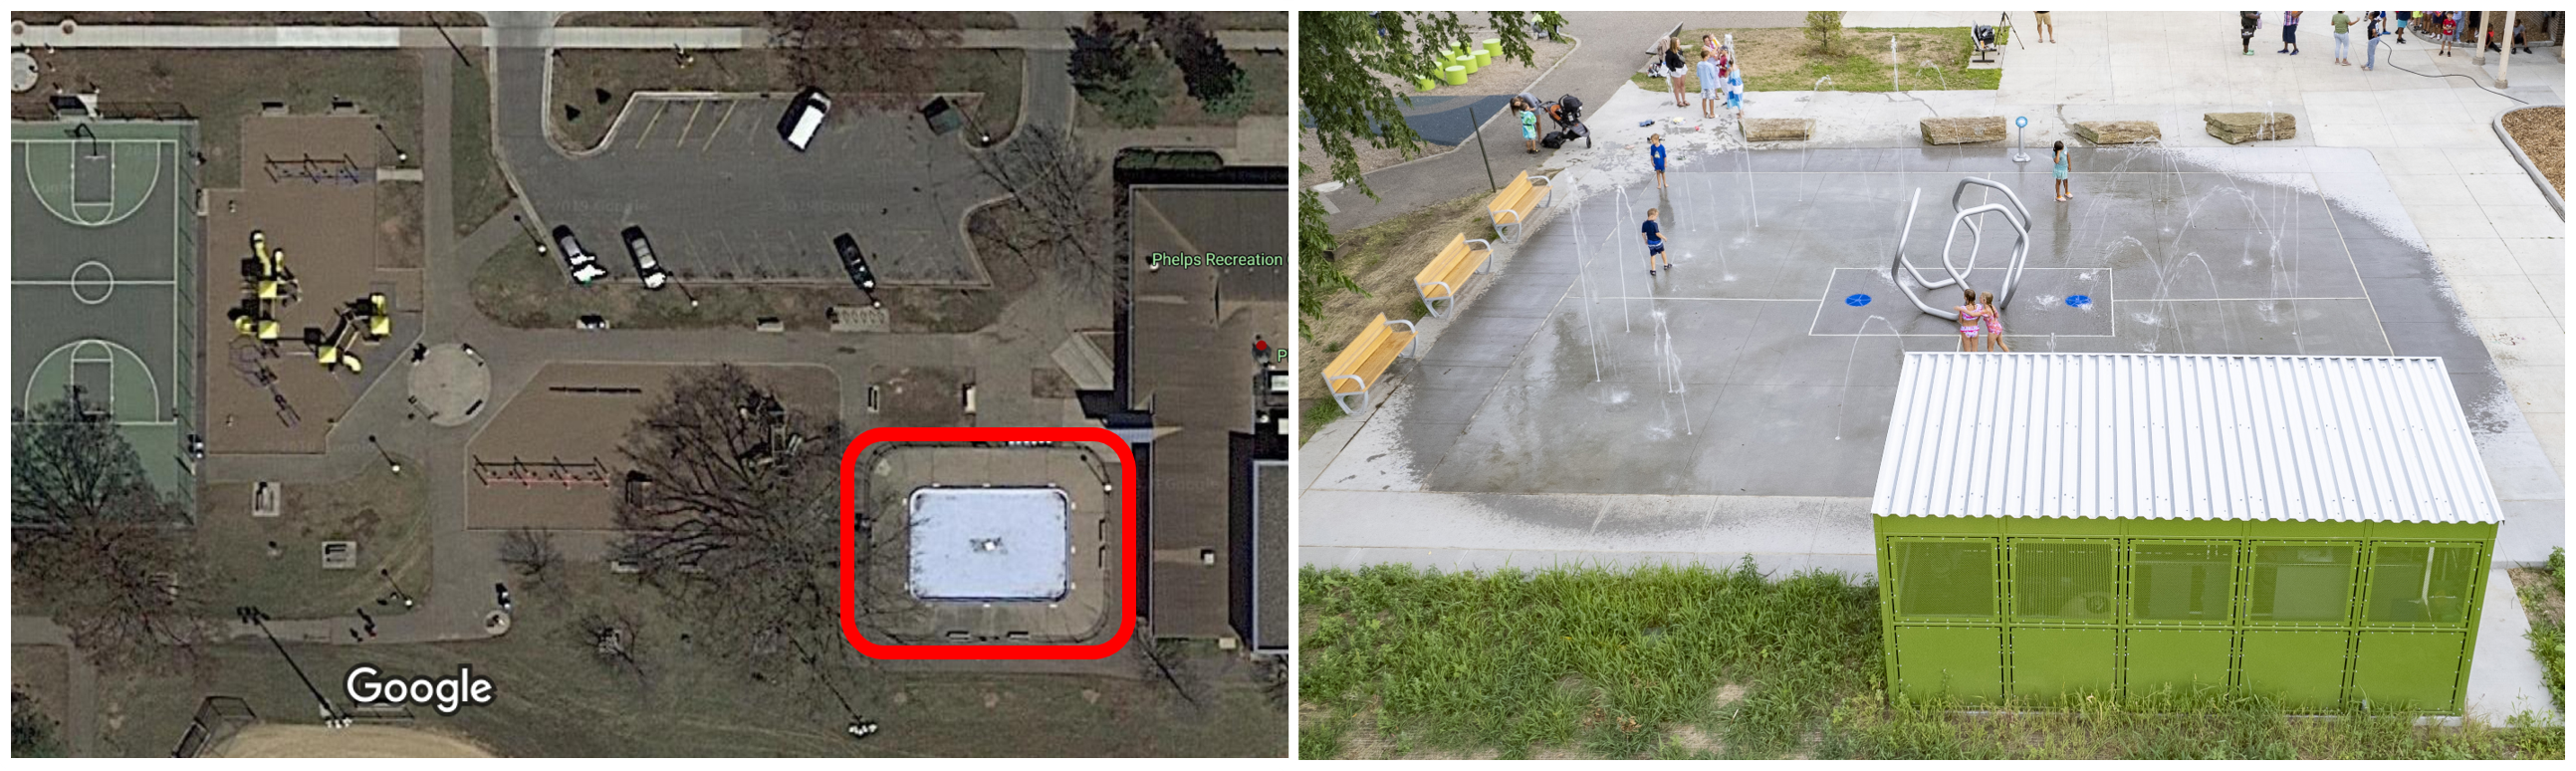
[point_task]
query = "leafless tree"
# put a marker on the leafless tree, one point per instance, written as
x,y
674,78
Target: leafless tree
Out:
x,y
888,56
732,513
1167,660
1062,194
106,552
530,552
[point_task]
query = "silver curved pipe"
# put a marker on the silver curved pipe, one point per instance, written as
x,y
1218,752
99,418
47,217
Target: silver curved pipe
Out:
x,y
1902,236
2015,215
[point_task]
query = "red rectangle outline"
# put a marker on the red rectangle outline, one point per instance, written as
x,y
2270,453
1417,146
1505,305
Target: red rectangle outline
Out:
x,y
850,546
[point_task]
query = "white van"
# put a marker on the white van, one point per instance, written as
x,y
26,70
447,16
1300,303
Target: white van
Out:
x,y
804,118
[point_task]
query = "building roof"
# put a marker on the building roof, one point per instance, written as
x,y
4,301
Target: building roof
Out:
x,y
2142,436
990,543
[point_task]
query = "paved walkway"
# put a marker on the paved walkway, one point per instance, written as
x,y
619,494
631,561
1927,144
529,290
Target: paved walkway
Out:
x,y
704,38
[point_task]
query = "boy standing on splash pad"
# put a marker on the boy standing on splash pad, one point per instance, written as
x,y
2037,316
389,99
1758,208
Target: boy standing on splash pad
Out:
x,y
1654,234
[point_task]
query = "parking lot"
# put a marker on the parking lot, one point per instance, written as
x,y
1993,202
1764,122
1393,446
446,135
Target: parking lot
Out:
x,y
723,198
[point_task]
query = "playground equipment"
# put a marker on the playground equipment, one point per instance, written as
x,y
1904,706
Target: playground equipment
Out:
x,y
2015,215
551,471
266,284
339,170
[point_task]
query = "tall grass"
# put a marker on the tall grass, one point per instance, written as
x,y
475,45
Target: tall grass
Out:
x,y
2548,633
1601,663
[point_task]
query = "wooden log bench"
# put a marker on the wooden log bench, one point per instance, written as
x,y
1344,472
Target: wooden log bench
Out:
x,y
1516,202
1442,280
1363,364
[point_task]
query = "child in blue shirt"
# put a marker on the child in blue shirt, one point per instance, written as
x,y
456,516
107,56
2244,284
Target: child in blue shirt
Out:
x,y
1656,148
1654,244
1709,83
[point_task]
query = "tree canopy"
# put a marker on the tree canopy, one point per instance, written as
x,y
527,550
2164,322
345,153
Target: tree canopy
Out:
x,y
104,550
1344,59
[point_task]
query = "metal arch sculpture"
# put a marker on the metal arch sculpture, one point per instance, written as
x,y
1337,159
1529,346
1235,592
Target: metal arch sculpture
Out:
x,y
2015,215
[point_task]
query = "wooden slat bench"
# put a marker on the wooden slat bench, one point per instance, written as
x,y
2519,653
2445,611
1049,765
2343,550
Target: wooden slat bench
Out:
x,y
1363,364
1440,281
1516,202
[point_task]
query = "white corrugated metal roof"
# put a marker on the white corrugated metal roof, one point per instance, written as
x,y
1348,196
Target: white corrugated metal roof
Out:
x,y
2180,437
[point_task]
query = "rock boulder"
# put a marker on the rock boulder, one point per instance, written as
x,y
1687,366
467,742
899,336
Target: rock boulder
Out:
x,y
1960,131
2238,128
1778,129
2118,132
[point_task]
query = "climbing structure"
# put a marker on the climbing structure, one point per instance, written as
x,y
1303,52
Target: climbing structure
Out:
x,y
2015,215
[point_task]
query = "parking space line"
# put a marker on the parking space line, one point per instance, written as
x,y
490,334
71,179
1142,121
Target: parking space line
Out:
x,y
695,107
718,131
656,120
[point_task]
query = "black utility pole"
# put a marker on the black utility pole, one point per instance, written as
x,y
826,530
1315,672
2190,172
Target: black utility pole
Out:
x,y
400,156
250,614
1477,127
389,457
388,574
531,231
451,42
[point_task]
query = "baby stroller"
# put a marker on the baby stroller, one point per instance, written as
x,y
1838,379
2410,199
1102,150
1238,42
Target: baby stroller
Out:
x,y
1567,111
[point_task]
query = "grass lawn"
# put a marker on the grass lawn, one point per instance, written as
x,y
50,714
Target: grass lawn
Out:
x,y
580,73
2544,601
41,676
1382,258
399,241
1782,59
382,511
223,86
1697,663
1267,74
479,187
552,698
521,288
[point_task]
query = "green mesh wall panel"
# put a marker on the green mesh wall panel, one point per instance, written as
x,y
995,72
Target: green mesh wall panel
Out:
x,y
2300,583
1938,579
2422,584
2181,582
2050,664
2410,670
2302,668
1969,659
2179,661
2064,581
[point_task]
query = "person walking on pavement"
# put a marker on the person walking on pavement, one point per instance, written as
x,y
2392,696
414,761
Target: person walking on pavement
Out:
x,y
2343,38
2065,190
1654,244
1709,83
2402,18
2044,27
1675,69
2247,22
2289,33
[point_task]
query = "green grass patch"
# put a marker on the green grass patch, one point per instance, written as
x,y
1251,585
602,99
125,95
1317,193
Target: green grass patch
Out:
x,y
1701,663
221,87
1314,414
383,511
2543,591
480,189
1933,58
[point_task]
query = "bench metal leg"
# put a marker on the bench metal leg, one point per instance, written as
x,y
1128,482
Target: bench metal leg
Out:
x,y
1434,305
1348,405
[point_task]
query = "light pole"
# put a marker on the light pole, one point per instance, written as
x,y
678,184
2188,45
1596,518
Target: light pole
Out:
x,y
400,155
531,231
390,463
250,614
388,575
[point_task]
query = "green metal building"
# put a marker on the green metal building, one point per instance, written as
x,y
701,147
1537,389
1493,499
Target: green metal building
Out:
x,y
2050,526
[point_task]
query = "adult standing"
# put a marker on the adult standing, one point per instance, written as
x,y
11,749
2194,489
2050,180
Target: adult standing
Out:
x,y
2343,38
2043,27
2370,39
2246,22
1675,69
2289,33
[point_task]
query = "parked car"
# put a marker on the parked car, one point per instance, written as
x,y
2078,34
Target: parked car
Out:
x,y
804,118
854,263
583,265
591,321
645,264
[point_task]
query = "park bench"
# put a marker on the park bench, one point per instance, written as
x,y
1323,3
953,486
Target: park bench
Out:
x,y
1448,272
1514,204
1363,363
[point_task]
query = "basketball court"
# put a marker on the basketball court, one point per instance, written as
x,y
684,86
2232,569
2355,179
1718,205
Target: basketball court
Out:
x,y
103,279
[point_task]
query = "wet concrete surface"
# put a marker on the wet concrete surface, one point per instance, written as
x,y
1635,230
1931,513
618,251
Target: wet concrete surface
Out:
x,y
1763,365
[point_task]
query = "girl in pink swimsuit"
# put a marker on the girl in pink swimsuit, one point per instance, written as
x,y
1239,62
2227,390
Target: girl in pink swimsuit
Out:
x,y
1972,320
1994,322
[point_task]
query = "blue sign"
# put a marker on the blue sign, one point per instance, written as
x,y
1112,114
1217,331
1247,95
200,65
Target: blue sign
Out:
x,y
2079,302
2021,121
1856,300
